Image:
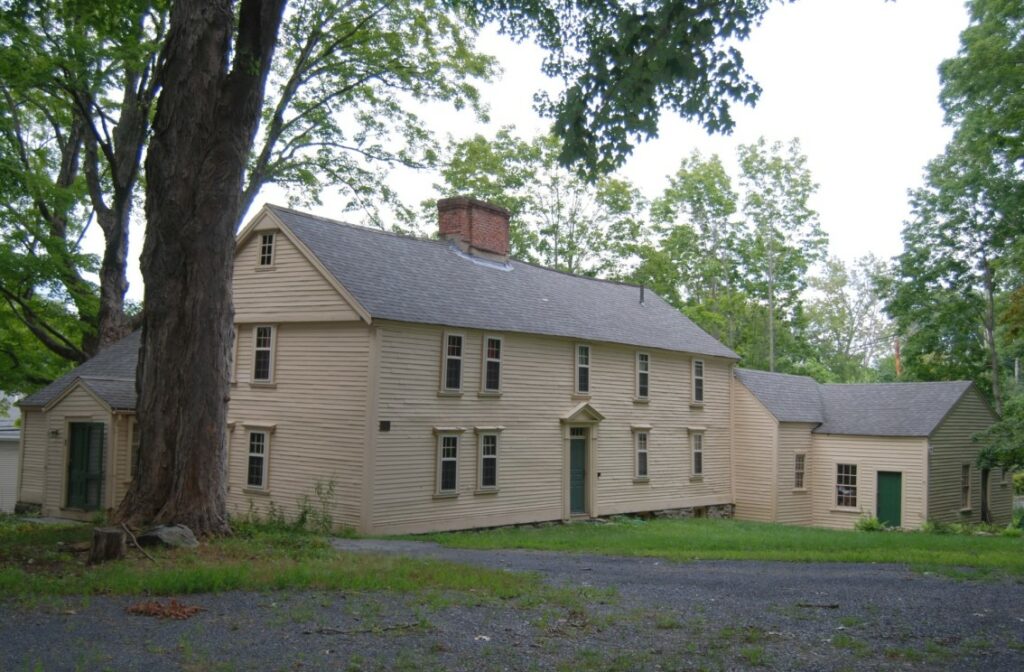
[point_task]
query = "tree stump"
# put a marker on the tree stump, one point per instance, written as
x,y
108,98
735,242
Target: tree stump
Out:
x,y
108,543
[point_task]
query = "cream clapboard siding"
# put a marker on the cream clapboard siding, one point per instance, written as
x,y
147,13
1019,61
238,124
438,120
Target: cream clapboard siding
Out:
x,y
317,409
793,506
292,290
33,457
871,454
754,445
950,448
537,386
77,406
122,455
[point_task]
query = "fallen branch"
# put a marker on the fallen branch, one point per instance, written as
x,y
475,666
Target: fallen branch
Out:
x,y
135,542
811,605
360,631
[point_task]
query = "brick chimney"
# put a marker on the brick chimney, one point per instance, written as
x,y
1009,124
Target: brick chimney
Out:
x,y
476,226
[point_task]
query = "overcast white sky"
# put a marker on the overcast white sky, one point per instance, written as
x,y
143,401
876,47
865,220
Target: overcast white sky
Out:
x,y
855,80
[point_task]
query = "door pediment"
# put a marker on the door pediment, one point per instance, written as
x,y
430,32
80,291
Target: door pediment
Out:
x,y
583,413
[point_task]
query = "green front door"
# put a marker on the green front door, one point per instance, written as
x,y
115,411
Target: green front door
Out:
x,y
577,470
890,498
85,465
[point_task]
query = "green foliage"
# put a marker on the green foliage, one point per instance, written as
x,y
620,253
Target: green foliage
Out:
x,y
1004,441
869,524
1018,483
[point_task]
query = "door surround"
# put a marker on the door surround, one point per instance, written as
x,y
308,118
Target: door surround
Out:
x,y
582,416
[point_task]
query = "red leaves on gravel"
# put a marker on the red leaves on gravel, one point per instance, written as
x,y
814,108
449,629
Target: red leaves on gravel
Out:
x,y
172,609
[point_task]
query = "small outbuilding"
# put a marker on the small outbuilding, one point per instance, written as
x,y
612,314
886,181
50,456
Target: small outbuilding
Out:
x,y
826,455
9,448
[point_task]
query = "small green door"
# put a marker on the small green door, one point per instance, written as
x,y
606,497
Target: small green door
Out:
x,y
85,465
577,470
890,498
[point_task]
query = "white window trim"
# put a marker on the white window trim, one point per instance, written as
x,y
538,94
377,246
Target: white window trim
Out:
x,y
637,433
445,390
576,369
966,507
636,384
481,432
440,459
694,401
264,477
803,473
234,355
273,251
273,354
694,440
484,359
836,506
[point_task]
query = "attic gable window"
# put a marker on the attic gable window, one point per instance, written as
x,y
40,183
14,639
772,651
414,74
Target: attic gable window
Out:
x,y
643,375
582,369
267,249
698,382
452,369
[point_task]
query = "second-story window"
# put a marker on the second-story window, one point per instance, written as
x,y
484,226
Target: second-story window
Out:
x,y
643,375
263,361
267,249
698,381
583,369
453,362
492,364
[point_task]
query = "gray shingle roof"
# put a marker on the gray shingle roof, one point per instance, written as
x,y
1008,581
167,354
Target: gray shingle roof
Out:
x,y
789,398
428,281
110,375
872,409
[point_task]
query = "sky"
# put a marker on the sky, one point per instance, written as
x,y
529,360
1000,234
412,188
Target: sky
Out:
x,y
855,80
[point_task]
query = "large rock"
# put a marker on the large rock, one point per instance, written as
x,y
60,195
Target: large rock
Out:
x,y
169,535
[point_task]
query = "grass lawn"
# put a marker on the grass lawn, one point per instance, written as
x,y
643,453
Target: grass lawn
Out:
x,y
40,560
703,539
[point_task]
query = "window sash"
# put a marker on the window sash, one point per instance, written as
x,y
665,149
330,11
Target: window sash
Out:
x,y
965,486
800,465
267,249
846,485
698,381
133,468
493,348
448,463
453,345
256,476
643,375
640,440
697,454
488,462
263,354
582,369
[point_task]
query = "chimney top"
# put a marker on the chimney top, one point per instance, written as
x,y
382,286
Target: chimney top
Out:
x,y
476,226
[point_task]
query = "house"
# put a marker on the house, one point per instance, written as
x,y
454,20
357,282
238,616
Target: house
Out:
x,y
830,454
9,443
411,385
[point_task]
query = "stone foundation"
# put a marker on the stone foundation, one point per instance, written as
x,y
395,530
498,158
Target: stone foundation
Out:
x,y
710,511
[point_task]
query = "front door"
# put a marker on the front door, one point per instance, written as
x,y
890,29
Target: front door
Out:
x,y
85,465
577,470
890,498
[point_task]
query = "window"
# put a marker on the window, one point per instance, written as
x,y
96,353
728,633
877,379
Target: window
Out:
x,y
698,381
453,362
492,364
846,485
643,375
136,441
488,462
448,464
267,249
697,453
640,445
257,470
965,486
263,362
582,369
798,471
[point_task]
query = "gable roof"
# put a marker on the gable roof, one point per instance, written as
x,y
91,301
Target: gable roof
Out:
x,y
110,375
409,279
870,409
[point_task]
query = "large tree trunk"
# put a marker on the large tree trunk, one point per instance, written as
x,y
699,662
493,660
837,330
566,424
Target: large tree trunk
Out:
x,y
206,119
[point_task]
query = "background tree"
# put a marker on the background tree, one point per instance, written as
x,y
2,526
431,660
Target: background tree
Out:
x,y
622,62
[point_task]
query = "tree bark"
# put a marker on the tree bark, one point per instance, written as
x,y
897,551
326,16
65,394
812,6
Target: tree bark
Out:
x,y
206,119
108,543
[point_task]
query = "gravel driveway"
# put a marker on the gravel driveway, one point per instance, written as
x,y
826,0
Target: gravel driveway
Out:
x,y
632,614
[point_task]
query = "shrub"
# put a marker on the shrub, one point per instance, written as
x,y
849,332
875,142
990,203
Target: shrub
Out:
x,y
1018,482
869,524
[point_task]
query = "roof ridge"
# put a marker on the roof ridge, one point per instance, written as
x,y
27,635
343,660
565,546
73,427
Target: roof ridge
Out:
x,y
896,383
